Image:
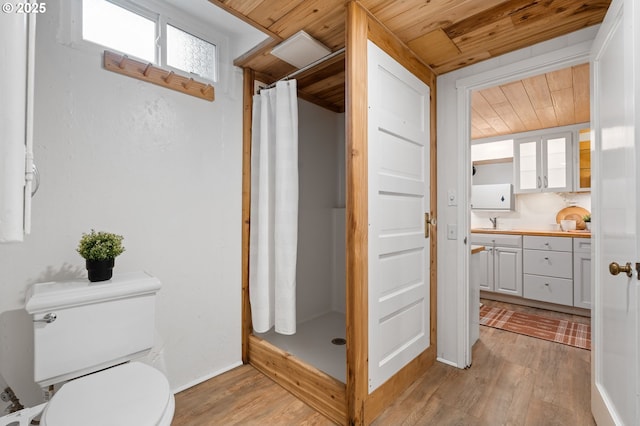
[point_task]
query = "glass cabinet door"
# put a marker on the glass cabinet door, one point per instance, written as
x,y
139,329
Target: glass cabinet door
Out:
x,y
543,164
527,176
556,174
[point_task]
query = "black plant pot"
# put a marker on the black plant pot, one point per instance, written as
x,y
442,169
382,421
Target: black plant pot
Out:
x,y
100,270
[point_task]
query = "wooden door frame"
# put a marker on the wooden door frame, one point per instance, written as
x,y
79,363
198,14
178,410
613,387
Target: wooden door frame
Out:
x,y
350,403
361,26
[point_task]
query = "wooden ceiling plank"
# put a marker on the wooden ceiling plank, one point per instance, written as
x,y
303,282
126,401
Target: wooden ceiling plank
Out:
x,y
494,13
482,107
538,91
445,17
538,32
242,6
503,36
244,18
547,117
558,10
396,14
494,95
325,84
305,14
434,47
564,105
479,121
460,61
560,79
269,12
518,97
581,92
510,117
485,37
330,30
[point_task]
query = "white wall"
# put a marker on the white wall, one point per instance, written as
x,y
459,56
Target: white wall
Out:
x,y
533,211
320,133
450,173
157,166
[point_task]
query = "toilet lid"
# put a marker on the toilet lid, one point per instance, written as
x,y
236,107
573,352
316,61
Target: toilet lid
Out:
x,y
133,394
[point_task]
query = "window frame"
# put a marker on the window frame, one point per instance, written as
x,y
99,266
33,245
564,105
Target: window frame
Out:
x,y
163,15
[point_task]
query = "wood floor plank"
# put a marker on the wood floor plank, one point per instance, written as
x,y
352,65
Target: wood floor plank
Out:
x,y
514,380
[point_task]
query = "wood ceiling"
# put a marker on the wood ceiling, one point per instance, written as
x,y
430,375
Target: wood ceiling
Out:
x,y
444,34
557,98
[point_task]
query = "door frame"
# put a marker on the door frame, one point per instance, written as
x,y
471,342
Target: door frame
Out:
x,y
569,56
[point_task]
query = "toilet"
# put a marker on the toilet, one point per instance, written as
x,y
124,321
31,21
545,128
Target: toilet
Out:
x,y
87,336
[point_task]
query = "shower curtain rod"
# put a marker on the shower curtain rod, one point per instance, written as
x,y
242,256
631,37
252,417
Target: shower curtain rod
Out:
x,y
305,68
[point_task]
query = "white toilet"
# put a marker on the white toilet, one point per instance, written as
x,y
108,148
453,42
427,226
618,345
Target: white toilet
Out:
x,y
85,334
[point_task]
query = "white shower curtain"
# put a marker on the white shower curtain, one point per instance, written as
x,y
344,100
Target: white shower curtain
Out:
x,y
274,209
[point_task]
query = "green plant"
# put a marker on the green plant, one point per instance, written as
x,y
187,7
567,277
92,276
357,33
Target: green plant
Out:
x,y
100,245
587,218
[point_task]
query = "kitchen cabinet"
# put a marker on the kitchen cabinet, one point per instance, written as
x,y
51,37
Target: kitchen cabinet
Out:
x,y
543,163
583,161
499,266
548,269
582,272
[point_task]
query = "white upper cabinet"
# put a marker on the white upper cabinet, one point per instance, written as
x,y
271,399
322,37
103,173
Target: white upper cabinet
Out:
x,y
543,163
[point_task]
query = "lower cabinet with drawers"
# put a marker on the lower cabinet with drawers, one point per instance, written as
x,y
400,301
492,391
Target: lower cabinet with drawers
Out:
x,y
548,269
553,269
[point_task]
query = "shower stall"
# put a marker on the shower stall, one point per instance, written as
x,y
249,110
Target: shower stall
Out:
x,y
366,239
320,338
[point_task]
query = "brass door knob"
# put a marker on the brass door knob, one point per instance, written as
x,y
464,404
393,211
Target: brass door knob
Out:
x,y
615,269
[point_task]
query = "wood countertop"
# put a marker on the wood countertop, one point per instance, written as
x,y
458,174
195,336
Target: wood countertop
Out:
x,y
477,249
534,232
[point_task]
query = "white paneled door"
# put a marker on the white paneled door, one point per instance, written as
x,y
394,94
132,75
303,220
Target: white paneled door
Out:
x,y
399,190
615,378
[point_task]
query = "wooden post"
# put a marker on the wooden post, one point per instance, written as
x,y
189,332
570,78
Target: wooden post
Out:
x,y
357,216
247,106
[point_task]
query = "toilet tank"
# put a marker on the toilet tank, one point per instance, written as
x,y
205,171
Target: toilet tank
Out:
x,y
97,324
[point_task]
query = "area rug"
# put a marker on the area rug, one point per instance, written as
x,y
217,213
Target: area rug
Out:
x,y
555,330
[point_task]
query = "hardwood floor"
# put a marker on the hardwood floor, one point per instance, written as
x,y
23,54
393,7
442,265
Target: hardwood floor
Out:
x,y
514,380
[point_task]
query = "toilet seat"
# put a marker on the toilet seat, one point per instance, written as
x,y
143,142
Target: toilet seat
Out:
x,y
134,394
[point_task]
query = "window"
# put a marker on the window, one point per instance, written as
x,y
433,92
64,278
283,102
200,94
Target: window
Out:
x,y
118,28
143,34
190,53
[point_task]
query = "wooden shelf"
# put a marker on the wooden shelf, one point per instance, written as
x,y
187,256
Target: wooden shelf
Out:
x,y
149,72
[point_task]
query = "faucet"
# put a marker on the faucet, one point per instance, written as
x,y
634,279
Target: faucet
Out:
x,y
494,222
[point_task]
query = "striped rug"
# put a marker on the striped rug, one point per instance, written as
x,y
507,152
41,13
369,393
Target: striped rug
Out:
x,y
555,330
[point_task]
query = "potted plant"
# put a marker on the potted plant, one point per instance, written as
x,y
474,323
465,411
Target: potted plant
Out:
x,y
587,221
100,249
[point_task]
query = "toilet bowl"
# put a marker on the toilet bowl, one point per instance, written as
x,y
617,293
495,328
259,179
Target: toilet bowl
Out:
x,y
89,336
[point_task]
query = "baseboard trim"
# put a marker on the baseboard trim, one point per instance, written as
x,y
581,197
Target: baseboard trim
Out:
x,y
516,300
206,377
446,361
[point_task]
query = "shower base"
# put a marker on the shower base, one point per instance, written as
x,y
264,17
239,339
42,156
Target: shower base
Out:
x,y
312,343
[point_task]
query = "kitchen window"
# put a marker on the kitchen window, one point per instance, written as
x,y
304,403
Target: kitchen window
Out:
x,y
144,34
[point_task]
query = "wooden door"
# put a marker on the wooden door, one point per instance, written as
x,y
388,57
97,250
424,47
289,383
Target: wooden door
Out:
x,y
615,374
399,188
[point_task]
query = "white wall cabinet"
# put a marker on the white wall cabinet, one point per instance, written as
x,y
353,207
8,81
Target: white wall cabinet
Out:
x,y
582,272
544,163
500,265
